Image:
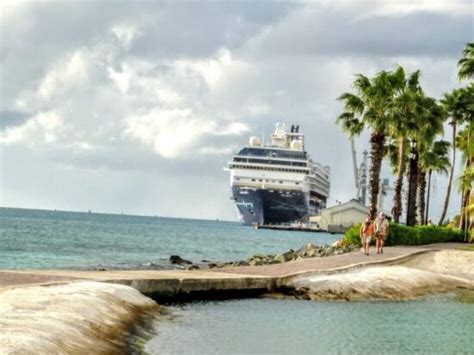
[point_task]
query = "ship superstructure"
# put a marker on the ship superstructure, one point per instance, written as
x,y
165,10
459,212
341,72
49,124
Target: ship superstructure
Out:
x,y
278,182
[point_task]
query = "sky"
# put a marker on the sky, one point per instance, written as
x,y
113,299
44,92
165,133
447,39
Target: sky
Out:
x,y
137,106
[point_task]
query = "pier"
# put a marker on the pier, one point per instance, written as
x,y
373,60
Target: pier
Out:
x,y
229,282
290,227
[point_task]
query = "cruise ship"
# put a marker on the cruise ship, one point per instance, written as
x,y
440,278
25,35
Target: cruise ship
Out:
x,y
278,182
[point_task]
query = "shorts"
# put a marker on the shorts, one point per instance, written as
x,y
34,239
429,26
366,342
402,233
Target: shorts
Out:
x,y
381,236
366,239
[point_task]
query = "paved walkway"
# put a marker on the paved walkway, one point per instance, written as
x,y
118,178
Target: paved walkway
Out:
x,y
16,278
342,261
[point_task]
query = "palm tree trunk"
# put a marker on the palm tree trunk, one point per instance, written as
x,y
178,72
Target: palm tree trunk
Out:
x,y
464,204
377,142
421,196
428,197
451,174
397,198
412,187
463,221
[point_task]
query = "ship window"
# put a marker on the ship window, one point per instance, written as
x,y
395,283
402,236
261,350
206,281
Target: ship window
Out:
x,y
237,178
265,152
260,180
253,179
281,182
297,183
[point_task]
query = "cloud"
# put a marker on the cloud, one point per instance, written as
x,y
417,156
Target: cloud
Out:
x,y
367,28
12,118
160,94
126,34
172,133
72,71
44,127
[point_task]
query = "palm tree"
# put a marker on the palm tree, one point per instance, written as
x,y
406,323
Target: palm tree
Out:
x,y
466,63
404,114
465,142
458,106
429,122
369,106
434,159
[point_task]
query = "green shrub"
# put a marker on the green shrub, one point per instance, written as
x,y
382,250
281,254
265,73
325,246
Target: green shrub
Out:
x,y
352,236
403,235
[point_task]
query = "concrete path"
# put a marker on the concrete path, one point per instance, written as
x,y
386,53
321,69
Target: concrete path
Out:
x,y
337,262
172,282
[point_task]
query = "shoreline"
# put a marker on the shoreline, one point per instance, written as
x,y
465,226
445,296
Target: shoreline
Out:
x,y
419,272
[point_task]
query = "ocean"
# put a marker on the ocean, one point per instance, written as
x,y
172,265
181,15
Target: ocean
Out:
x,y
40,239
440,324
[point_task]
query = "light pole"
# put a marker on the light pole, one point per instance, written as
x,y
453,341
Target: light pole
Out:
x,y
411,207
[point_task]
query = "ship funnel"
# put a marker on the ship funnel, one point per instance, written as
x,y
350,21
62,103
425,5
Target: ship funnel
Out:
x,y
292,128
297,129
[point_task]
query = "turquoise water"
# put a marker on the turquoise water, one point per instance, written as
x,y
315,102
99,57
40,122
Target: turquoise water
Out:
x,y
48,239
432,325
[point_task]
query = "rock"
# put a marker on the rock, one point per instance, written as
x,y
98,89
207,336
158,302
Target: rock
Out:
x,y
290,254
337,243
306,249
312,253
280,258
176,259
212,265
205,261
242,263
193,267
255,262
302,293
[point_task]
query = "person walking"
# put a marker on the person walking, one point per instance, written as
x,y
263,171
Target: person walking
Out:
x,y
366,232
381,232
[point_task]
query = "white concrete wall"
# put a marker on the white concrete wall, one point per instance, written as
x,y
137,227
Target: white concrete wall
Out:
x,y
346,217
350,216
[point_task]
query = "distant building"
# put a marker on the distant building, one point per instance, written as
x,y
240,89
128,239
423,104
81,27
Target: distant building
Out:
x,y
341,217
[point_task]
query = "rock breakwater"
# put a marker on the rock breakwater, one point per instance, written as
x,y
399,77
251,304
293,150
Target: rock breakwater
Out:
x,y
306,251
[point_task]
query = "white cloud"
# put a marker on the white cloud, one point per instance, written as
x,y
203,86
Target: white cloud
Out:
x,y
120,78
455,7
216,70
126,34
106,89
232,129
66,73
43,127
171,133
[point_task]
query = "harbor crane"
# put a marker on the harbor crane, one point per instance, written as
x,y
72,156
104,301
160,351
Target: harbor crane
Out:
x,y
360,178
360,174
384,189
